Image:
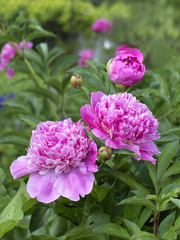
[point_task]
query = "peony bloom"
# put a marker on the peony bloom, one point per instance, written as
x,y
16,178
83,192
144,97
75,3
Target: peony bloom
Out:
x,y
86,54
102,25
126,68
8,52
61,161
124,122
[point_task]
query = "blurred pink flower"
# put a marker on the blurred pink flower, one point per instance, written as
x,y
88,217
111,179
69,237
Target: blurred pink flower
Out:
x,y
10,72
124,122
102,25
9,51
85,54
126,68
61,161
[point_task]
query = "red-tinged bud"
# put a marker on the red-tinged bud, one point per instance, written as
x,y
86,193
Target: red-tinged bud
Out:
x,y
105,153
77,81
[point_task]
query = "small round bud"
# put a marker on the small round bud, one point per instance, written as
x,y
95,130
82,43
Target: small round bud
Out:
x,y
108,63
77,81
105,153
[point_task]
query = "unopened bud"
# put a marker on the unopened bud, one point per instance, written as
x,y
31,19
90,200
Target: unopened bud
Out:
x,y
77,81
105,153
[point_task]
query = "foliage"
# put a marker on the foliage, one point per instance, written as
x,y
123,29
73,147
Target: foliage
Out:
x,y
130,199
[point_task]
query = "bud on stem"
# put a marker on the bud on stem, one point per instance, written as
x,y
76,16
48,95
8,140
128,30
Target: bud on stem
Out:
x,y
77,81
105,153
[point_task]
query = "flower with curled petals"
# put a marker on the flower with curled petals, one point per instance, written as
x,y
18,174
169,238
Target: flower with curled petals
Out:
x,y
126,69
102,25
124,122
61,161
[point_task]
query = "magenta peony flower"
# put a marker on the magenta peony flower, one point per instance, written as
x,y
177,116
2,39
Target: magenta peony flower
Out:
x,y
102,25
61,161
86,54
124,122
126,68
9,51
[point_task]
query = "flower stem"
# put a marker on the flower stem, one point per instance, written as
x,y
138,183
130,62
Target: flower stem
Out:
x,y
166,114
87,97
32,72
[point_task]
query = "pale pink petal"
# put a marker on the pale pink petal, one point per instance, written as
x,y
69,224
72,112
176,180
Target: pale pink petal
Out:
x,y
74,184
148,157
19,167
112,144
100,134
42,186
10,72
29,45
149,146
87,115
95,98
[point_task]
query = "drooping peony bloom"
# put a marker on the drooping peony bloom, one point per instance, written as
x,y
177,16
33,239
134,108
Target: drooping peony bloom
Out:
x,y
102,25
124,122
85,54
61,161
126,68
9,51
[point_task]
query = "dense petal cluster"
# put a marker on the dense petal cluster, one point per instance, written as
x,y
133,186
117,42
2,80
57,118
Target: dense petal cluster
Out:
x,y
124,122
126,68
102,25
8,52
85,54
61,161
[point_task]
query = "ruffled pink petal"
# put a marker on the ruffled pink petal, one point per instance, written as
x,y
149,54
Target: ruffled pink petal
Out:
x,y
29,45
42,186
10,72
91,158
95,98
148,157
19,167
74,184
100,134
87,115
112,144
149,146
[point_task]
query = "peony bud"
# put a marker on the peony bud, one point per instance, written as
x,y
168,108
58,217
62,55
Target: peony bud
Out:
x,y
126,68
105,153
77,81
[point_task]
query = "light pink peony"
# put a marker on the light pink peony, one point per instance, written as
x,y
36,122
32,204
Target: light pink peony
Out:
x,y
61,161
102,25
124,122
9,51
126,68
86,54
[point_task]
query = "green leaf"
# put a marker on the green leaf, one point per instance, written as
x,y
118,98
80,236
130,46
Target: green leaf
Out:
x,y
175,201
152,172
113,229
13,213
138,201
33,56
14,140
7,38
40,217
133,228
43,92
177,224
165,158
39,34
146,213
84,234
126,179
173,170
99,192
171,234
54,53
125,152
64,63
166,224
143,236
42,237
30,120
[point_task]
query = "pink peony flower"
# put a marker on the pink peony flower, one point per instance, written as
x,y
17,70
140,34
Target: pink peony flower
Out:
x,y
10,72
86,54
124,122
102,25
126,68
9,51
61,161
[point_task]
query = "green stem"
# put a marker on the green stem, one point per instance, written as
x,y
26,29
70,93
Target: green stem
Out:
x,y
32,72
87,97
166,114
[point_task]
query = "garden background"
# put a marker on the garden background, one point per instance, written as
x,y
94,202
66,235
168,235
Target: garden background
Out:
x,y
130,199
